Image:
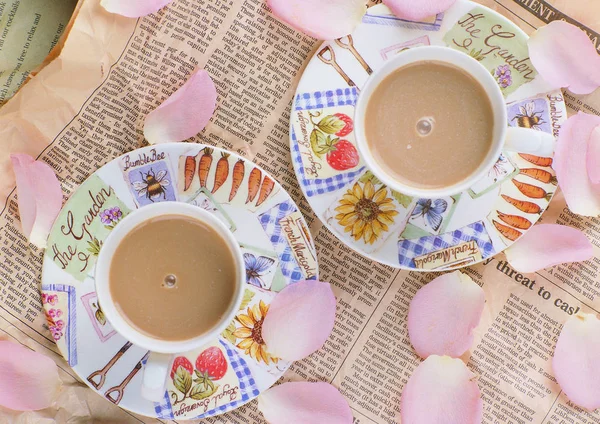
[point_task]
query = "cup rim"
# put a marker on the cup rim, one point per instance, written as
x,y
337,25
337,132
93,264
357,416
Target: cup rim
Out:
x,y
102,271
435,54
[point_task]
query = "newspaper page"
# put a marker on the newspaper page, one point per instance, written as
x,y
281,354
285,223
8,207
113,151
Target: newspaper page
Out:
x,y
126,67
30,30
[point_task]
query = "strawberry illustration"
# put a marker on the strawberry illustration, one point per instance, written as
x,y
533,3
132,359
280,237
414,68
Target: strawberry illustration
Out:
x,y
212,362
342,155
181,361
348,128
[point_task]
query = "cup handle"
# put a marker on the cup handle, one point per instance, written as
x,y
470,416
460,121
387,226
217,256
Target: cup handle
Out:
x,y
534,142
155,376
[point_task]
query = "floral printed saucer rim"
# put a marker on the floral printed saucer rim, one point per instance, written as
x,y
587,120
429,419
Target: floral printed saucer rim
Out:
x,y
278,250
393,228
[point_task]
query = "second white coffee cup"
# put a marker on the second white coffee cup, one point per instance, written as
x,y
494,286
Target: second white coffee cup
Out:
x,y
520,140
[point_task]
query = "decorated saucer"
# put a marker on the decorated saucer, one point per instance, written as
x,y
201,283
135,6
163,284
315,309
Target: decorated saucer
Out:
x,y
278,250
393,228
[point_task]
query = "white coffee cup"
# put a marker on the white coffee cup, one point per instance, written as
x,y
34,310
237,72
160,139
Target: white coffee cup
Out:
x,y
520,140
162,352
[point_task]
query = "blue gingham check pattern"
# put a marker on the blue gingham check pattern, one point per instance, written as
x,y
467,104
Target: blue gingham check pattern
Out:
x,y
247,384
329,98
410,249
70,331
320,100
163,409
270,223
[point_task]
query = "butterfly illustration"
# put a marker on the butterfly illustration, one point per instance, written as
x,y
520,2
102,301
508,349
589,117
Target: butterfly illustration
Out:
x,y
431,210
206,205
256,267
498,170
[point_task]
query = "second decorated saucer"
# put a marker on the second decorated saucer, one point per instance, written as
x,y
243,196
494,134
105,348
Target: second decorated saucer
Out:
x,y
391,227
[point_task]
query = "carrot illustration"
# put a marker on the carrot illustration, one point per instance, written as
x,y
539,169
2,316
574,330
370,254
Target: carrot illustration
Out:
x,y
189,171
221,172
540,175
522,205
253,184
238,176
515,221
265,189
509,233
532,191
536,160
204,166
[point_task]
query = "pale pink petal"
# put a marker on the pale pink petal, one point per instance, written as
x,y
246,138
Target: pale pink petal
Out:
x,y
571,164
322,19
303,403
443,315
576,359
134,8
565,57
415,10
185,113
593,156
39,196
546,245
28,380
441,390
299,320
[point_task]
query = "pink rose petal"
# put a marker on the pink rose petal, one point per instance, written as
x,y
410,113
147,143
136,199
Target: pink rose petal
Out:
x,y
185,113
28,380
441,390
443,315
593,156
565,57
299,320
303,403
134,8
546,245
39,196
571,163
415,10
322,19
576,359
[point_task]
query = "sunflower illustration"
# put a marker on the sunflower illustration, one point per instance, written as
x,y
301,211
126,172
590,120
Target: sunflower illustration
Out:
x,y
251,333
366,213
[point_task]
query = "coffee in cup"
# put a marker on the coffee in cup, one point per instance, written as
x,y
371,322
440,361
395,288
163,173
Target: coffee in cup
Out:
x,y
173,277
429,124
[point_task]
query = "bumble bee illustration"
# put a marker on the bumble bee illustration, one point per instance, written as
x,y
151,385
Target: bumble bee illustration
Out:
x,y
152,185
529,118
